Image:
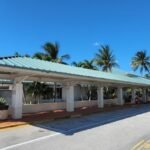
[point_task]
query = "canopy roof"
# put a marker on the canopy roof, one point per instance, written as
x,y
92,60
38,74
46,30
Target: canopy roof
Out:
x,y
41,66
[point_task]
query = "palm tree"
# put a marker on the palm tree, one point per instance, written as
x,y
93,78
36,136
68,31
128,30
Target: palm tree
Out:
x,y
38,90
51,53
35,89
147,76
105,58
51,49
141,61
40,56
17,54
77,64
88,64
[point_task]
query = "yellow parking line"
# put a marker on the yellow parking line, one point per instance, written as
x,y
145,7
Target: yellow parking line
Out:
x,y
147,144
148,141
139,144
140,147
14,127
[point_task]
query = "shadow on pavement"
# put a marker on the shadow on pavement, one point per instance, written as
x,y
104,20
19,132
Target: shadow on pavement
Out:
x,y
74,125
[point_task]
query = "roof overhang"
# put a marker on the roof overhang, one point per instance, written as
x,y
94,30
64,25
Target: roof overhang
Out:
x,y
37,75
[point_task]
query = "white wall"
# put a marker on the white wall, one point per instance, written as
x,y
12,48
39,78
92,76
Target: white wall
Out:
x,y
85,103
32,108
111,101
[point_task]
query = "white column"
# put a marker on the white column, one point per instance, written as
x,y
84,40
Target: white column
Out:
x,y
17,101
120,96
64,93
133,95
144,95
70,98
100,97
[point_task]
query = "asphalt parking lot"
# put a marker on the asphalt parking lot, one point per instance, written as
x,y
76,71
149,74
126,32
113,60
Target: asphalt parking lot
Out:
x,y
117,130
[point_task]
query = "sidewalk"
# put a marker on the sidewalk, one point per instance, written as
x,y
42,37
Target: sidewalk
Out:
x,y
58,114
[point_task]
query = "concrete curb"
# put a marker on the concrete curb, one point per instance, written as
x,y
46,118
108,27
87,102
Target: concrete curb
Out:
x,y
12,126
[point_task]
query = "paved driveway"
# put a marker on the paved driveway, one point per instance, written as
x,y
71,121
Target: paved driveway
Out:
x,y
117,130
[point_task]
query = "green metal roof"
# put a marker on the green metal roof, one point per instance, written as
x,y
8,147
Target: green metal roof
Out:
x,y
45,66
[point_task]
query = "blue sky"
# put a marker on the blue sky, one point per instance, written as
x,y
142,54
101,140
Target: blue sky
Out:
x,y
78,25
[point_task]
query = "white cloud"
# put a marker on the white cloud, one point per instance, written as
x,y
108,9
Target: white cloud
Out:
x,y
96,44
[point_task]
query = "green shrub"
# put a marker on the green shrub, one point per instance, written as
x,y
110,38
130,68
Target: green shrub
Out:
x,y
3,101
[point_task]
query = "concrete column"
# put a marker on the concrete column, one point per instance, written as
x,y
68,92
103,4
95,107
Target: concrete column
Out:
x,y
64,93
100,97
120,96
17,101
133,96
144,95
70,98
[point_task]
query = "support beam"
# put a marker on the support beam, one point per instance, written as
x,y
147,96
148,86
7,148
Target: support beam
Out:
x,y
70,98
133,95
17,101
120,96
100,97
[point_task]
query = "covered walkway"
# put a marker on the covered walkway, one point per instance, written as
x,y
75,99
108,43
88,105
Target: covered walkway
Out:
x,y
20,69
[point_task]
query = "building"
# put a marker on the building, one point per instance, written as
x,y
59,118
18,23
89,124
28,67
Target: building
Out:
x,y
71,80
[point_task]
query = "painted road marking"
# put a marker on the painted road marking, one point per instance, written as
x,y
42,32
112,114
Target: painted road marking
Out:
x,y
49,136
142,145
138,145
28,142
71,130
147,145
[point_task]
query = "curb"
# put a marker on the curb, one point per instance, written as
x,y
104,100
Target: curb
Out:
x,y
12,126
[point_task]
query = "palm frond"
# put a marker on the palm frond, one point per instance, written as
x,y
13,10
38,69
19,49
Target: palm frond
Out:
x,y
141,61
40,56
105,58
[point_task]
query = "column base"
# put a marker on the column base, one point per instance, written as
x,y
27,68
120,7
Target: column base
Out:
x,y
16,112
